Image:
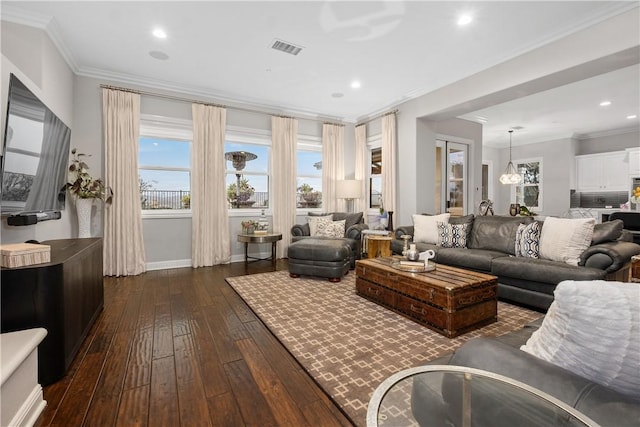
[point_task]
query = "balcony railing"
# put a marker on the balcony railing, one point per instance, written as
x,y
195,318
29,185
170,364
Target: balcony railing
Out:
x,y
181,199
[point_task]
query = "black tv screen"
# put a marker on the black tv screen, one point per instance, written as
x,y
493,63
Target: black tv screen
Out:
x,y
35,155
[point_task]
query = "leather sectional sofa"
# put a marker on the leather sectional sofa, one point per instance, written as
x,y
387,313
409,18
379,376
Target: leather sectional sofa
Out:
x,y
502,356
527,281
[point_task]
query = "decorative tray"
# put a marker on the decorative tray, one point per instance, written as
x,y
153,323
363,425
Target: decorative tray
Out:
x,y
398,265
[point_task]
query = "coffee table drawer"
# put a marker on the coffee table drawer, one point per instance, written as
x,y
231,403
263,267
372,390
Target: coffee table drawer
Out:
x,y
375,292
422,312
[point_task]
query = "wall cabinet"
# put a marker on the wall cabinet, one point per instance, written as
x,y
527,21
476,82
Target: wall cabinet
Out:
x,y
602,172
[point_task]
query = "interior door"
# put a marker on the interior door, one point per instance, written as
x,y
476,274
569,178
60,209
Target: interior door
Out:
x,y
456,178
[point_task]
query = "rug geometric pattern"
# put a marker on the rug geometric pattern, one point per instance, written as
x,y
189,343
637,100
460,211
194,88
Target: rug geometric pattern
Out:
x,y
348,344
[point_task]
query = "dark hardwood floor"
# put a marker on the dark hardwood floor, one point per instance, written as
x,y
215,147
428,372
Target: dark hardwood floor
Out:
x,y
180,348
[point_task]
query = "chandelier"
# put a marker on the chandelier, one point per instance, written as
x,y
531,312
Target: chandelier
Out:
x,y
510,175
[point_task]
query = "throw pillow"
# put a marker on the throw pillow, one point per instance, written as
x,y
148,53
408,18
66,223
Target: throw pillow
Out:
x,y
333,229
528,240
592,329
452,235
425,228
351,218
607,231
313,223
564,239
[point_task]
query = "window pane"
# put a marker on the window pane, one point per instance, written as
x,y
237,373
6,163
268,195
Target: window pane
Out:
x,y
309,163
164,152
376,191
164,189
309,192
528,195
530,172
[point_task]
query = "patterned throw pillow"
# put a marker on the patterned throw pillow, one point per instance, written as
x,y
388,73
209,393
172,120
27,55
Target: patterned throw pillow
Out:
x,y
327,228
528,240
452,235
313,223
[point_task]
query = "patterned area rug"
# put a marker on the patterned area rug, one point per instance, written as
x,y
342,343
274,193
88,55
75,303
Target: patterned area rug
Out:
x,y
348,344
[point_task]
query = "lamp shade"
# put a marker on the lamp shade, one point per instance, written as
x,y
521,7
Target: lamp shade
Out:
x,y
349,189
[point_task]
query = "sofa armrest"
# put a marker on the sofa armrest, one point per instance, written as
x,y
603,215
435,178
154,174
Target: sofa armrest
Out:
x,y
405,229
355,231
300,230
609,256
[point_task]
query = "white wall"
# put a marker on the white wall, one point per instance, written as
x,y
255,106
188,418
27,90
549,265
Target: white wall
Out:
x,y
31,56
609,142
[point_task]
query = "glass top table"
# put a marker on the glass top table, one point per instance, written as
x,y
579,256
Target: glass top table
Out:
x,y
446,395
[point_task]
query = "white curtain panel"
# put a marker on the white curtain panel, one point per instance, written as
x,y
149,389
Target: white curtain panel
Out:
x,y
389,150
123,241
332,166
210,242
360,205
284,140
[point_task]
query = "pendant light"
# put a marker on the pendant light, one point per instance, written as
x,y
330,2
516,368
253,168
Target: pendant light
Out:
x,y
510,175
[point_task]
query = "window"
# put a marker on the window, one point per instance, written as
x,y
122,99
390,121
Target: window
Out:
x,y
309,179
375,178
164,158
529,191
247,170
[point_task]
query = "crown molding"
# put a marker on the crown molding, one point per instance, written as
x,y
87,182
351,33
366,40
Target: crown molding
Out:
x,y
605,133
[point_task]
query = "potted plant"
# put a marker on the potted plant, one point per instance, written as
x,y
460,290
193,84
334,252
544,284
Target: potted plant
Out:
x,y
82,185
240,198
307,193
186,201
86,189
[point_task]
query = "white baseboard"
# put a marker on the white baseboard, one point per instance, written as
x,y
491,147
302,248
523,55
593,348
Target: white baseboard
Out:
x,y
164,265
181,263
31,409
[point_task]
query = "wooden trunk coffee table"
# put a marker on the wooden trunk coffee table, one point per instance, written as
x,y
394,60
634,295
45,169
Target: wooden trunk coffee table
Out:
x,y
449,300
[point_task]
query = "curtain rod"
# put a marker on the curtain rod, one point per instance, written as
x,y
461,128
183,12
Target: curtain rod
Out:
x,y
379,116
197,101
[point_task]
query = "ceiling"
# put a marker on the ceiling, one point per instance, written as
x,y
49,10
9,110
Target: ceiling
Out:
x,y
396,50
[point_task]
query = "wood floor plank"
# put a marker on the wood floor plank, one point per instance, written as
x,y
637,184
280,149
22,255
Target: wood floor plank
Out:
x,y
163,395
214,377
180,319
224,412
252,403
162,332
279,400
194,408
134,407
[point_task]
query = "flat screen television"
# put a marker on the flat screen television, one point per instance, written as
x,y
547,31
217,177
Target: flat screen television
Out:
x,y
35,155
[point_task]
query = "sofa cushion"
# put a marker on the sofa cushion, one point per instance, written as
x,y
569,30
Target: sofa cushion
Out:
x,y
351,219
313,220
496,233
564,239
327,228
528,240
452,235
425,228
592,329
474,259
607,231
542,270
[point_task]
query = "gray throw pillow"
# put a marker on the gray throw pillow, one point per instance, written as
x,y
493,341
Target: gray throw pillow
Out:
x,y
607,231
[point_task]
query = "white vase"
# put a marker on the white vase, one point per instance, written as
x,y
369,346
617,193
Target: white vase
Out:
x,y
83,209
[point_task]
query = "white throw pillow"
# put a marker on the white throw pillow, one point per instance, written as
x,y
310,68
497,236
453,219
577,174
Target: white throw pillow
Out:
x,y
565,239
425,227
328,228
592,329
313,223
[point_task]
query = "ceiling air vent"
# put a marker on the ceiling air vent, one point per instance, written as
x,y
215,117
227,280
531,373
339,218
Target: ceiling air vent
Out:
x,y
285,47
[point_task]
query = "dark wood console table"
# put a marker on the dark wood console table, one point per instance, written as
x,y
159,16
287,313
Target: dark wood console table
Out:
x,y
64,296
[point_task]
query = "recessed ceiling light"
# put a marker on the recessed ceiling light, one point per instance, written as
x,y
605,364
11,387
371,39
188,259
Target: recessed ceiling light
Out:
x,y
159,55
159,33
464,20
605,103
355,84
632,116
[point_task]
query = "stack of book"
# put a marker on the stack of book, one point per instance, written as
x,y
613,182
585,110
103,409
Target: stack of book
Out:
x,y
24,254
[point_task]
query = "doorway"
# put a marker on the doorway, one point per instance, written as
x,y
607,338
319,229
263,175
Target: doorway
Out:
x,y
451,177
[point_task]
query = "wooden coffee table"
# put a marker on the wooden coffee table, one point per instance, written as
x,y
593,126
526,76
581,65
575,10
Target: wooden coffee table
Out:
x,y
449,300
